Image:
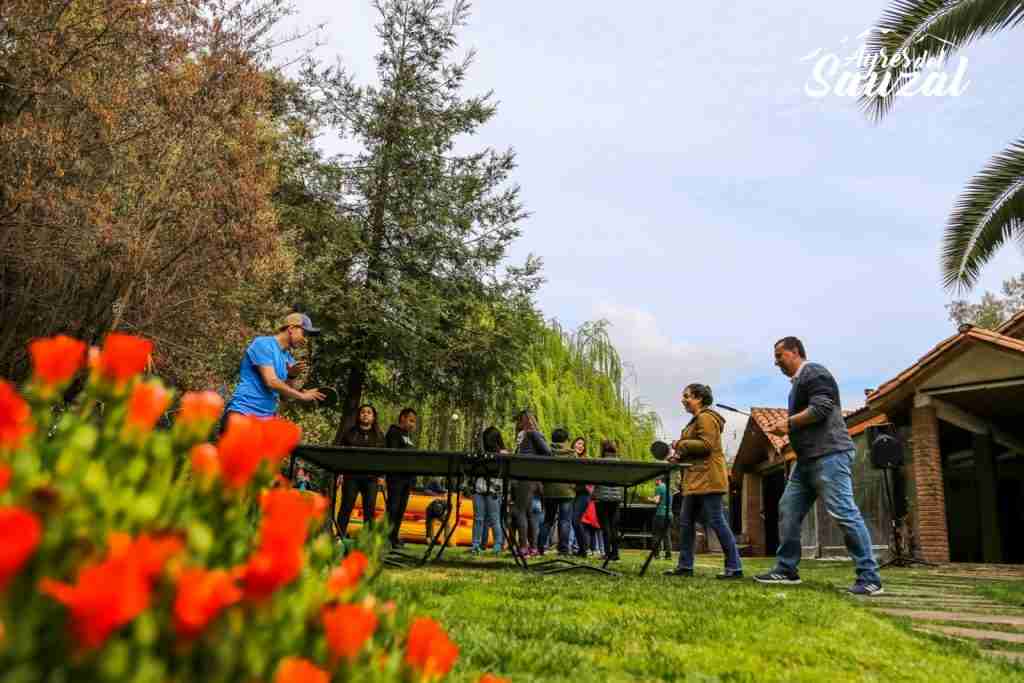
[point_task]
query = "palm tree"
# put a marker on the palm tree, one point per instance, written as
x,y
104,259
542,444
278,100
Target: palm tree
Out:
x,y
990,211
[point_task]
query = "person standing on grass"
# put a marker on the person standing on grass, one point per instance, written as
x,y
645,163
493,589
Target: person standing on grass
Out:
x,y
558,499
607,501
529,441
399,486
824,451
662,519
365,433
486,492
267,366
705,482
580,504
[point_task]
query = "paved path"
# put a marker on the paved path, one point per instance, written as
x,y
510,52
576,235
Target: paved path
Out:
x,y
945,601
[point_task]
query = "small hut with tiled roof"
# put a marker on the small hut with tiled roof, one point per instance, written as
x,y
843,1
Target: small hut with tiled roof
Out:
x,y
960,412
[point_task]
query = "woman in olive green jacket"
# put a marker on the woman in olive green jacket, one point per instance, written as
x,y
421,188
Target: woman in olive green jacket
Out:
x,y
704,483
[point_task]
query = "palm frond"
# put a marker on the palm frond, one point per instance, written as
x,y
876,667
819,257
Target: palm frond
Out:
x,y
988,213
933,28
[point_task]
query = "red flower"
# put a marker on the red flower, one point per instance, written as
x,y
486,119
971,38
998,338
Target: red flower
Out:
x,y
145,406
205,460
429,650
20,533
124,356
269,569
279,438
202,594
287,514
347,575
491,678
111,593
348,628
55,360
239,449
5,477
15,418
297,670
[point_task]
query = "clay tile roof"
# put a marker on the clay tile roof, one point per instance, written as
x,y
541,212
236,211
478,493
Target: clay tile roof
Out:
x,y
967,334
765,417
1014,327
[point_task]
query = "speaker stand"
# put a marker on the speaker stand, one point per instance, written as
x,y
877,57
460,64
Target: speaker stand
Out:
x,y
899,557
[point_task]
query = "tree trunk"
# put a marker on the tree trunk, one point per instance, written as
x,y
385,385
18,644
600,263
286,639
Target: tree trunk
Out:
x,y
353,398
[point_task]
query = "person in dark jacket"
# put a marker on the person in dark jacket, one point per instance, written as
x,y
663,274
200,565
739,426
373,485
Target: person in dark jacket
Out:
x,y
529,441
558,499
365,433
824,452
607,500
399,486
705,482
580,503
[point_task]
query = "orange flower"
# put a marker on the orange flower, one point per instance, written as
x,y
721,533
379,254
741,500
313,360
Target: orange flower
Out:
x,y
20,532
348,628
199,412
112,592
298,670
287,514
429,650
123,357
347,575
202,594
279,438
15,418
145,406
205,460
55,360
491,678
5,477
240,450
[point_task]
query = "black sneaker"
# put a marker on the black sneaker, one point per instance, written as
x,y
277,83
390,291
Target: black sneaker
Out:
x,y
727,576
866,589
779,577
678,572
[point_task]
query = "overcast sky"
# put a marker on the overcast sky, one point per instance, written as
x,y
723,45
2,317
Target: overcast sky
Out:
x,y
683,185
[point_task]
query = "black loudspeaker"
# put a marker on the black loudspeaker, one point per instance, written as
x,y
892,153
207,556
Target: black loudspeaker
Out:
x,y
885,450
660,450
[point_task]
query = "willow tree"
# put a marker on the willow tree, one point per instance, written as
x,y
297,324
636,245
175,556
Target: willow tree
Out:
x,y
430,226
990,212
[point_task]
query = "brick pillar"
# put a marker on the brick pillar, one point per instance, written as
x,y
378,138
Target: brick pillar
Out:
x,y
753,524
930,503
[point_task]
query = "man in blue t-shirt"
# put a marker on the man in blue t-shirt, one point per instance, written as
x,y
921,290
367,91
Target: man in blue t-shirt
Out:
x,y
267,365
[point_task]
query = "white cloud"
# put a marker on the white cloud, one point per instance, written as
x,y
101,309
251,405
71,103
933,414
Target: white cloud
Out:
x,y
661,367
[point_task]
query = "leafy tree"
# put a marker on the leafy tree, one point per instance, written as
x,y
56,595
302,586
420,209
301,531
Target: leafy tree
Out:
x,y
408,287
136,168
993,310
990,212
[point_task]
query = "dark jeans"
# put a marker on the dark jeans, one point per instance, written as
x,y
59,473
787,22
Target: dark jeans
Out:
x,y
398,488
714,518
579,507
522,500
608,516
662,537
563,508
365,488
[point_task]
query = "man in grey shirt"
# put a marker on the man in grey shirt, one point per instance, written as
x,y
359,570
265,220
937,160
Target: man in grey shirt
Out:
x,y
824,451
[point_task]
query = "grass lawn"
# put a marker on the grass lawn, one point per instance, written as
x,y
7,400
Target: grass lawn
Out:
x,y
584,627
1003,591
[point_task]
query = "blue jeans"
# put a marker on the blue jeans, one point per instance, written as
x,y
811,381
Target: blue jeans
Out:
x,y
485,516
830,478
714,518
563,508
